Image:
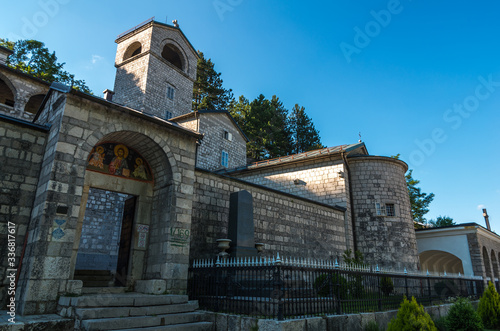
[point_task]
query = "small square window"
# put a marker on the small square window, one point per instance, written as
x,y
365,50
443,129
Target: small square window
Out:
x,y
228,136
380,211
170,92
224,159
390,210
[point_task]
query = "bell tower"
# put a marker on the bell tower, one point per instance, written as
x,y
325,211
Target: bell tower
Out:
x,y
155,69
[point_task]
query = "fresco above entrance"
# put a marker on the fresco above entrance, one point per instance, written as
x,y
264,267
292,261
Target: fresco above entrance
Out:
x,y
119,160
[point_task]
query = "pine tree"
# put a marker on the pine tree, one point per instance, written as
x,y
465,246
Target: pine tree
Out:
x,y
419,201
305,136
208,92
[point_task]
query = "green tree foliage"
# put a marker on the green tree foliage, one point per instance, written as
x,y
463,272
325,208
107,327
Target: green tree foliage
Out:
x,y
386,285
353,260
305,136
441,221
463,317
489,307
272,130
208,92
33,58
419,201
411,316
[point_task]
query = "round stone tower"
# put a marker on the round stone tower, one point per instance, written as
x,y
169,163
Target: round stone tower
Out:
x,y
384,225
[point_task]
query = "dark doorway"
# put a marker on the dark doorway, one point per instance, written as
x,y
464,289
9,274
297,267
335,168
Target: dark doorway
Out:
x,y
125,242
105,242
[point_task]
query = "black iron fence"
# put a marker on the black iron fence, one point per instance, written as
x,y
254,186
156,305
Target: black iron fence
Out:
x,y
290,288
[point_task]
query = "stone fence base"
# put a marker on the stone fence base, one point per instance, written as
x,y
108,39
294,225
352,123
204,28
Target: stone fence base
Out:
x,y
351,322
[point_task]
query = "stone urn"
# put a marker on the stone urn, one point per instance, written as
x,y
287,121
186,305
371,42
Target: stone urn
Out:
x,y
223,245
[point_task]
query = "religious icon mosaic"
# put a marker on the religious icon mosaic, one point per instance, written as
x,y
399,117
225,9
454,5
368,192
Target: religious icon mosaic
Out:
x,y
119,160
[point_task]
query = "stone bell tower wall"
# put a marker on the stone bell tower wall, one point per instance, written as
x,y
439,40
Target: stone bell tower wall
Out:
x,y
387,240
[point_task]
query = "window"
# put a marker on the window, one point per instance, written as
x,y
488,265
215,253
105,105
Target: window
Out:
x,y
390,210
228,136
168,115
170,93
387,209
224,159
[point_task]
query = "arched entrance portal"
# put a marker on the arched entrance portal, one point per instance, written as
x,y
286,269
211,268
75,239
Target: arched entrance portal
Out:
x,y
127,174
440,261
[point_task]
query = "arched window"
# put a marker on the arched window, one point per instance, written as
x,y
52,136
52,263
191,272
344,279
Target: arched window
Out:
x,y
134,49
173,55
6,94
34,103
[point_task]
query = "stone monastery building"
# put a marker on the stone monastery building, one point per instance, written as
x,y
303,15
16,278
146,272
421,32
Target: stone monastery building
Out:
x,y
137,184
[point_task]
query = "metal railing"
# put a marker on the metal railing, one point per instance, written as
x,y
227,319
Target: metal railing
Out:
x,y
296,288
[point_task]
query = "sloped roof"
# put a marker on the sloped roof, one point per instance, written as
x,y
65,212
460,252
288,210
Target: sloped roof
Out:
x,y
210,111
149,22
318,153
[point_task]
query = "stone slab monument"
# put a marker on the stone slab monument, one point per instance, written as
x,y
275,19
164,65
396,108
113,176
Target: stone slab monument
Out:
x,y
241,227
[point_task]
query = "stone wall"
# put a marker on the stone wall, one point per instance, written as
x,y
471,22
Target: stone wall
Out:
x,y
389,241
100,238
21,152
290,225
319,181
213,125
483,239
322,181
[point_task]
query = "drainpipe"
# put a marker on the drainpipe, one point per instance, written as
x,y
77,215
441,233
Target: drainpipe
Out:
x,y
353,220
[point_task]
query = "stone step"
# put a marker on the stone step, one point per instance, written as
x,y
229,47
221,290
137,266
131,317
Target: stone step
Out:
x,y
92,273
199,326
85,278
113,312
142,321
100,290
98,283
121,300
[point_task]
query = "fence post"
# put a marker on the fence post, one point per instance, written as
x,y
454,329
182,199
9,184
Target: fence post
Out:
x,y
406,283
337,288
429,288
379,289
278,287
217,284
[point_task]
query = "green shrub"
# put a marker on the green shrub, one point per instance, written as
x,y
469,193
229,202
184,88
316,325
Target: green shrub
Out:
x,y
386,285
489,307
440,324
372,326
324,287
463,317
411,316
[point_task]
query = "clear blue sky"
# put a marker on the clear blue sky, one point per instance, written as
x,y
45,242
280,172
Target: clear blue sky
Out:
x,y
418,78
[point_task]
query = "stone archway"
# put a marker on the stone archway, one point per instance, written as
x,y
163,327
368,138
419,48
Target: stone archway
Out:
x,y
487,265
440,261
494,265
151,195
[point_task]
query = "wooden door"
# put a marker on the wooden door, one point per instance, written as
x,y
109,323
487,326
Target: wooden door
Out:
x,y
125,242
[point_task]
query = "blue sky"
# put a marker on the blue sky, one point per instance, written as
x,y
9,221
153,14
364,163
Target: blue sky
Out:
x,y
414,77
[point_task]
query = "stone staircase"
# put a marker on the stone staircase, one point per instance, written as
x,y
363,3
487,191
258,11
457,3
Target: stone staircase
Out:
x,y
134,311
95,278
